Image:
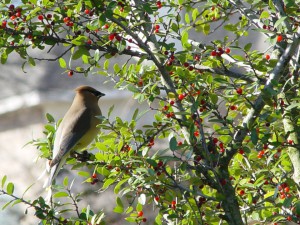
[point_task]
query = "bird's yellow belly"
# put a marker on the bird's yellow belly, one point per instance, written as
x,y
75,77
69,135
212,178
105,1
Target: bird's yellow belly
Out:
x,y
86,139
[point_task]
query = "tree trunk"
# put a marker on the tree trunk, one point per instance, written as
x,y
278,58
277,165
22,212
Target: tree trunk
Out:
x,y
230,204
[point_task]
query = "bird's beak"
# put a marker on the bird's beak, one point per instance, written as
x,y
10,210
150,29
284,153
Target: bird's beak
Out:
x,y
100,94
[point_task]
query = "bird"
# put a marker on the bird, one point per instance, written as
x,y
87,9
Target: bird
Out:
x,y
77,129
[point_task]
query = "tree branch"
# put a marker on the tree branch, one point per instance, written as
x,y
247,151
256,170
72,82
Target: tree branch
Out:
x,y
259,104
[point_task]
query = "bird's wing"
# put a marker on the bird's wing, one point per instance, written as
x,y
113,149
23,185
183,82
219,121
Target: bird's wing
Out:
x,y
71,134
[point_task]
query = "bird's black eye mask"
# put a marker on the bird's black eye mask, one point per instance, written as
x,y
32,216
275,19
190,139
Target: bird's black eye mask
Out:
x,y
98,94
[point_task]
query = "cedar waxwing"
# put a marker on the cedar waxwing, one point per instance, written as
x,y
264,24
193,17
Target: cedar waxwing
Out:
x,y
77,129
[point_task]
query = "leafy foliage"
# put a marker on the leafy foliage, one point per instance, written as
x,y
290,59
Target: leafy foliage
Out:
x,y
228,112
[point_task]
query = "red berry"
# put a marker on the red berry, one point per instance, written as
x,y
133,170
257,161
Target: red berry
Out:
x,y
233,107
241,192
94,175
112,36
267,56
156,27
227,50
220,50
18,14
140,213
196,133
49,16
239,91
87,11
144,220
70,73
215,140
40,17
191,68
140,83
89,42
106,26
156,198
158,4
289,218
160,164
172,102
179,143
11,7
4,23
241,151
181,96
66,19
118,38
186,64
279,38
213,53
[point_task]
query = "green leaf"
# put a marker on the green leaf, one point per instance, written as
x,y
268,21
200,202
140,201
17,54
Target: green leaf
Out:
x,y
230,27
297,205
147,8
187,18
10,188
264,15
269,194
287,202
97,55
132,88
119,208
135,114
119,185
247,47
117,68
49,118
3,57
108,182
254,136
184,38
106,64
7,204
62,63
80,40
84,174
60,194
213,98
173,144
195,13
293,105
66,181
31,61
3,181
17,201
110,110
80,52
279,22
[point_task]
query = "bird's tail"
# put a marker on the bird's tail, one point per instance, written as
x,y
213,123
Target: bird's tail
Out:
x,y
53,172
